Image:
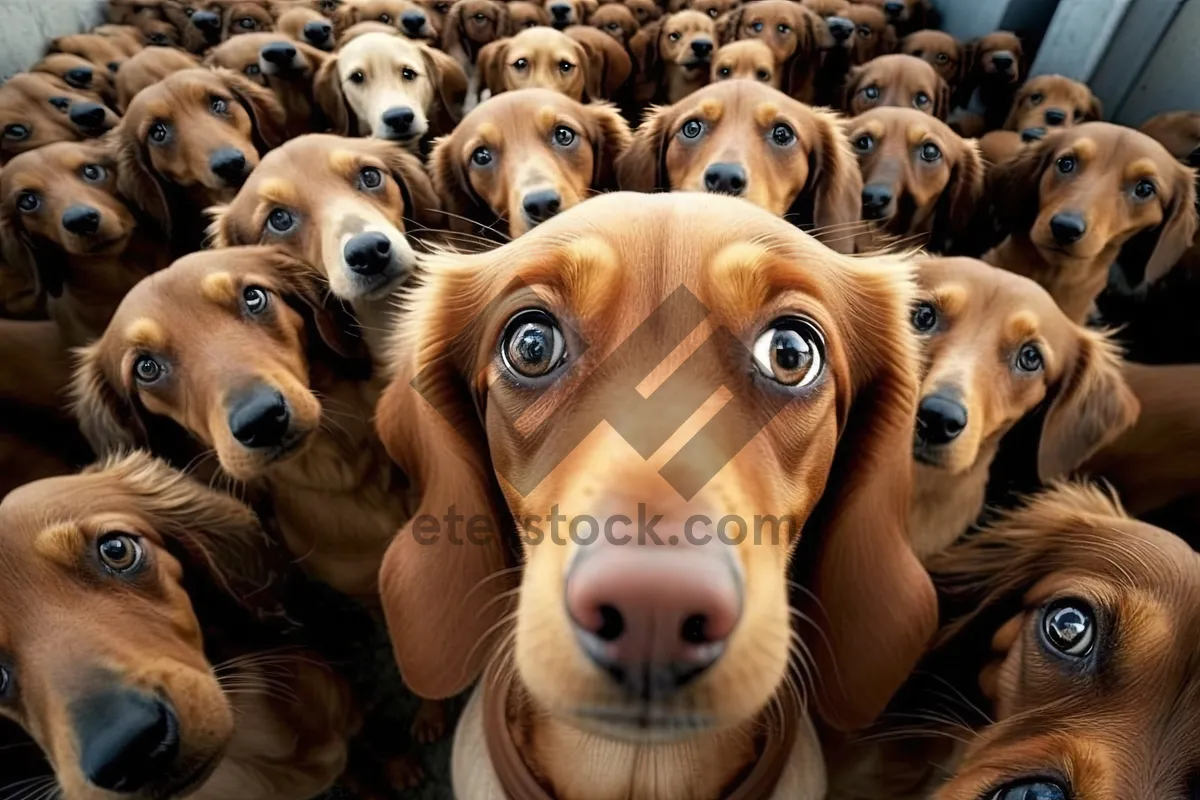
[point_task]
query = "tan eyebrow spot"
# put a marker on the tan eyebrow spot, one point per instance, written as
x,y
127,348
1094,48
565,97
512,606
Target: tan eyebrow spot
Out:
x,y
219,288
712,109
1020,326
916,135
545,118
1141,168
739,270
279,191
343,161
950,298
489,133
765,114
146,333
586,271
59,543
873,128
1086,149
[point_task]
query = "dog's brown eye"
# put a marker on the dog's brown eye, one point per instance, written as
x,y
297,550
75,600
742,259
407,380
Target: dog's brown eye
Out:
x,y
533,344
218,106
941,58
864,143
521,64
280,220
871,92
1029,358
480,18
1070,627
674,37
924,317
763,75
481,157
712,12
612,26
146,370
1144,190
246,24
791,352
94,173
442,8
783,135
864,31
723,72
159,39
159,132
120,552
692,129
256,299
783,28
253,70
357,76
28,202
920,100
930,152
565,67
564,136
371,178
385,18
408,74
1065,165
16,133
1036,99
189,11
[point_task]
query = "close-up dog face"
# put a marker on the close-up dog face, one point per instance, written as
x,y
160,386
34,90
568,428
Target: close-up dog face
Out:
x,y
136,710
148,68
749,59
36,110
540,58
243,17
1075,626
342,205
390,88
407,16
674,54
285,66
919,176
998,58
745,139
615,20
940,50
897,80
471,24
1051,101
524,156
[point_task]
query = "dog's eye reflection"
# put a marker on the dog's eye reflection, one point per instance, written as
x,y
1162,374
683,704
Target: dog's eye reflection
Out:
x,y
791,352
1070,628
533,344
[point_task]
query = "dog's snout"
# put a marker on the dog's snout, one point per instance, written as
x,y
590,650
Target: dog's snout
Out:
x,y
876,200
229,164
78,77
126,739
368,253
1067,227
208,24
653,618
88,116
1055,116
281,54
1033,134
260,418
82,220
318,33
560,11
725,178
1002,61
940,419
541,205
702,47
399,121
893,9
412,21
840,28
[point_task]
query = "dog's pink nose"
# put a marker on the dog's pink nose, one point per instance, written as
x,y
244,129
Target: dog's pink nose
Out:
x,y
654,618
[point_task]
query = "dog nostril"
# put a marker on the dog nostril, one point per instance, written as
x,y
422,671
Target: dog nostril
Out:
x,y
876,200
368,253
82,220
840,28
399,121
612,624
541,205
260,420
560,11
1002,61
1055,116
89,116
78,77
413,21
317,33
695,629
725,179
1067,228
940,419
701,47
229,165
278,53
126,740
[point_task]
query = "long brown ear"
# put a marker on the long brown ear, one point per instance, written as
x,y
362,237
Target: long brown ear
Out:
x,y
728,24
1092,406
851,87
642,167
941,104
608,65
451,84
1095,110
452,33
441,592
19,253
873,598
346,16
421,207
107,416
1013,186
136,179
266,113
1161,248
611,138
644,48
490,65
450,186
957,211
327,90
836,186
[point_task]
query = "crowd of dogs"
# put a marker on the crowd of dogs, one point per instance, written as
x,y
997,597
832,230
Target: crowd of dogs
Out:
x,y
309,309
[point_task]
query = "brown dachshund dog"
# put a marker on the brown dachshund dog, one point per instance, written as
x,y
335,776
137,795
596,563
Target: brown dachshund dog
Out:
x,y
232,352
906,16
674,56
996,67
1087,196
204,23
345,206
189,142
922,183
640,651
745,139
37,109
749,59
200,698
580,62
148,68
524,14
285,66
897,80
645,11
795,34
524,156
470,26
407,16
855,35
79,74
63,219
103,52
615,20
996,350
1072,630
391,88
941,51
1051,101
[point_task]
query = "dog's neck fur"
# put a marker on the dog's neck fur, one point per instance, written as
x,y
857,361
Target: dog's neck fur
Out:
x,y
1073,283
944,504
682,81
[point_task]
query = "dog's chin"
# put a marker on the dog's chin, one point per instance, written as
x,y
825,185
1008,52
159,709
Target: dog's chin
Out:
x,y
373,287
930,455
102,243
246,464
1054,252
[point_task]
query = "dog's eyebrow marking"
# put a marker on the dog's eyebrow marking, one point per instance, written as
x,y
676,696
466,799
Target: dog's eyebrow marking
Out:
x,y
712,109
917,135
279,191
489,133
59,543
765,114
219,288
1086,149
950,298
146,333
1141,168
546,117
1020,326
343,161
739,272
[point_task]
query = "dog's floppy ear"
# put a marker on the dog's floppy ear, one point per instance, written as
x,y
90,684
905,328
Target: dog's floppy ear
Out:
x,y
611,138
490,65
1095,110
608,65
137,180
421,206
327,90
1154,252
442,595
266,114
958,207
451,187
941,99
642,167
1091,407
19,253
453,34
727,25
107,416
873,599
1013,186
451,82
851,87
834,185
644,48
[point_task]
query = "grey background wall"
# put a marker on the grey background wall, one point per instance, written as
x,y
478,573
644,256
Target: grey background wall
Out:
x,y
27,25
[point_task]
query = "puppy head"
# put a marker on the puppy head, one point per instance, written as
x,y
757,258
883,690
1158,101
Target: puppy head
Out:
x,y
750,59
786,27
307,25
873,36
616,20
245,16
1179,132
997,348
348,216
470,24
407,16
644,11
726,278
535,58
999,58
128,539
437,11
525,156
148,68
1084,192
523,14
37,109
159,33
1051,101
78,73
389,87
200,23
897,80
746,139
919,176
940,50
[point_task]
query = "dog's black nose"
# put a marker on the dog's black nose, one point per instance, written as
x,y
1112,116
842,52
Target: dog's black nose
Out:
x,y
281,54
702,47
78,77
1055,116
83,220
940,419
1067,228
541,205
1002,61
318,33
207,21
126,739
840,28
399,120
893,9
229,164
368,253
88,116
260,418
876,200
1033,134
560,11
726,178
412,21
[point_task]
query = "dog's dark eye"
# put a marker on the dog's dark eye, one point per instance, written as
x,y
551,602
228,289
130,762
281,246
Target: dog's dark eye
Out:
x,y
1144,190
1069,627
924,317
218,106
247,24
533,344
371,178
146,370
16,133
871,92
612,26
480,18
253,70
1029,358
1065,165
5,681
712,12
94,173
564,136
385,18
783,28
920,100
481,157
521,64
941,58
565,67
757,27
120,552
1036,99
255,299
280,220
61,103
783,135
864,143
408,74
674,37
28,202
692,129
357,76
763,75
442,8
1040,790
791,352
864,31
159,39
930,152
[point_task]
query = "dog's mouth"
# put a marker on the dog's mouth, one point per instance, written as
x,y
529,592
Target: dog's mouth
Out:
x,y
645,721
931,455
193,779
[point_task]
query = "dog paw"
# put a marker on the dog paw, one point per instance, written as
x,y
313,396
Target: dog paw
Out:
x,y
405,772
429,724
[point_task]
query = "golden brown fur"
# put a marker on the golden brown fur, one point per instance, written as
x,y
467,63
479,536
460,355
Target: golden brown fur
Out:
x,y
1052,101
148,68
941,51
795,34
673,56
580,63
285,66
1179,132
897,80
79,74
749,59
37,109
407,16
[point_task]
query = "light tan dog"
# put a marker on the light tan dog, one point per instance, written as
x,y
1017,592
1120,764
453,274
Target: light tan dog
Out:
x,y
749,59
581,63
